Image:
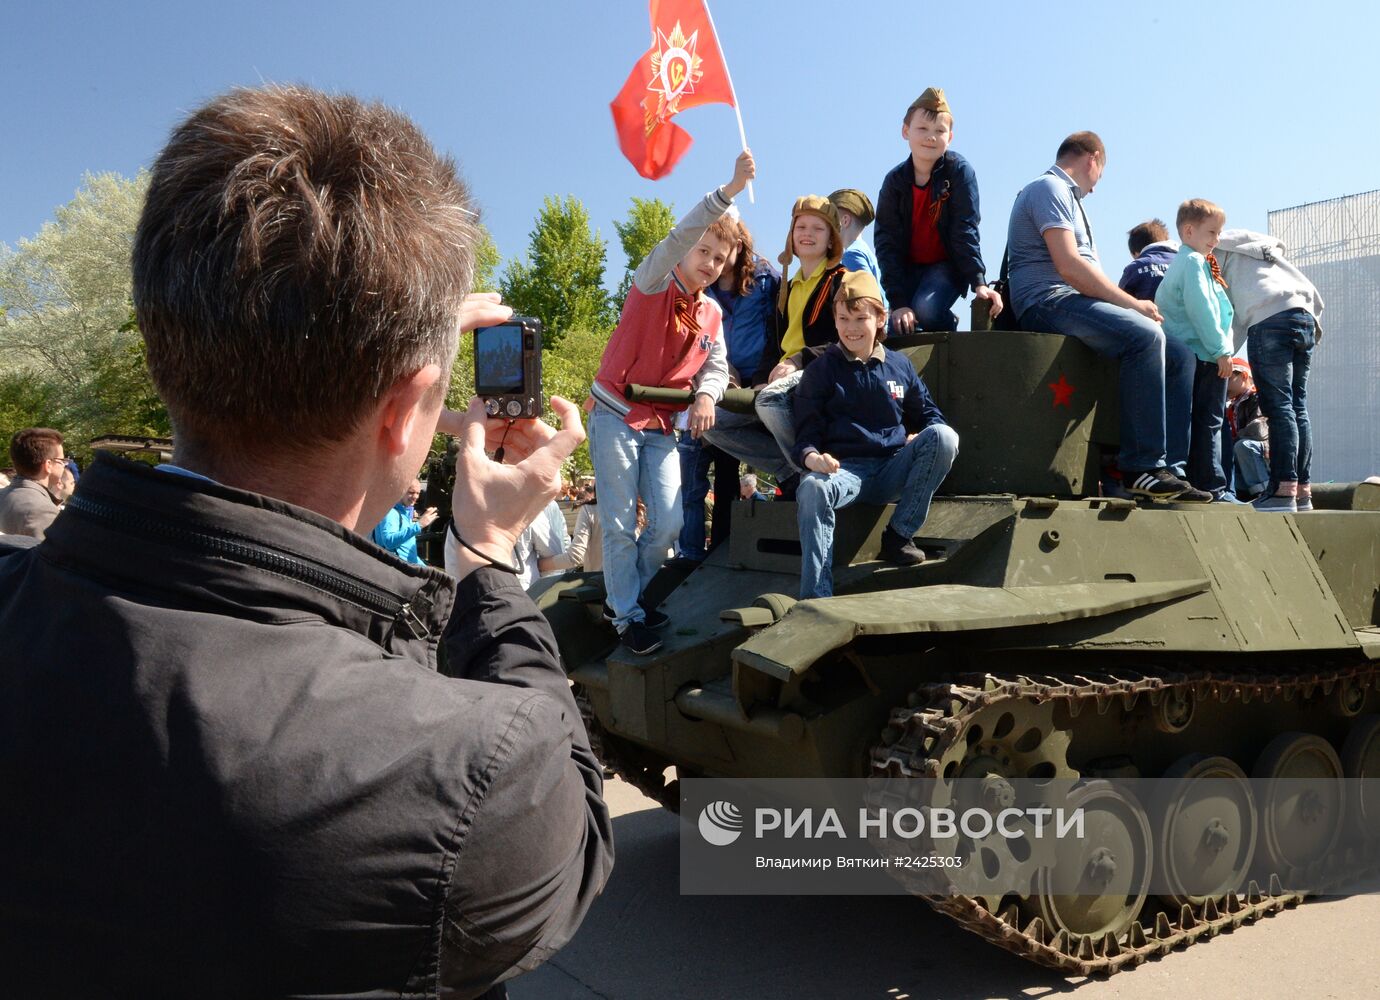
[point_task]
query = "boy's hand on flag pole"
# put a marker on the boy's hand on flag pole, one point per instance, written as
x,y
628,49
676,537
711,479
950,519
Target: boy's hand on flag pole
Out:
x,y
744,170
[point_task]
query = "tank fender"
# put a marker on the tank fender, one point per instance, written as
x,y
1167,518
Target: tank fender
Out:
x,y
812,629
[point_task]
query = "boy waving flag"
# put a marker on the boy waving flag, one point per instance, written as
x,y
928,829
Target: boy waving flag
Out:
x,y
684,68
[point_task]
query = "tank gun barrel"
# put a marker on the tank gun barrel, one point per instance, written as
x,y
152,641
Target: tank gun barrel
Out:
x,y
735,400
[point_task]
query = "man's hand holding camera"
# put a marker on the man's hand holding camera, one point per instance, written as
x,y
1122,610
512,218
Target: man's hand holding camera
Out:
x,y
494,502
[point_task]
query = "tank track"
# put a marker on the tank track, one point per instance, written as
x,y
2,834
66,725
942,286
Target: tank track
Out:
x,y
939,717
627,760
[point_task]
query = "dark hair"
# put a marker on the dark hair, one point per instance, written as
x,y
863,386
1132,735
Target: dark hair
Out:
x,y
1080,143
874,307
745,267
1145,233
298,254
31,447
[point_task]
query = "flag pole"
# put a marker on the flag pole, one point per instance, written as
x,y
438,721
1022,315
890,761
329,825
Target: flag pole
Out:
x,y
742,134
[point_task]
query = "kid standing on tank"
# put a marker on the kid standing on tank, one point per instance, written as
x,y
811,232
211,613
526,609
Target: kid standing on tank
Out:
x,y
667,336
1193,300
927,225
867,430
1278,312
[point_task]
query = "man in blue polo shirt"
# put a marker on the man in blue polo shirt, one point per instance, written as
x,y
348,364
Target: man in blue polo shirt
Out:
x,y
1057,285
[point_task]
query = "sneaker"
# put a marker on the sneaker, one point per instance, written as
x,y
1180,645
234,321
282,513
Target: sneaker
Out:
x,y
640,640
1161,484
1303,504
898,550
1277,505
653,618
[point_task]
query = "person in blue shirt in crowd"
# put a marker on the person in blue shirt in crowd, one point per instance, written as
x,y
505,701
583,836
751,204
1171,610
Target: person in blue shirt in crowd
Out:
x,y
856,214
746,292
1152,251
867,430
398,530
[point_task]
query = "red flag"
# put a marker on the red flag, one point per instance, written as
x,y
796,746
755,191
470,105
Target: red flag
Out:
x,y
683,69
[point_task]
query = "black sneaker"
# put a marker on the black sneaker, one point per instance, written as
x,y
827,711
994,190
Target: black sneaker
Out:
x,y
640,640
1161,484
653,618
898,550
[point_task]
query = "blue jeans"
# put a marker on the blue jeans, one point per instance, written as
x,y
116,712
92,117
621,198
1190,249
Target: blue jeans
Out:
x,y
1252,471
747,439
908,478
776,409
1153,370
630,463
1205,439
1225,442
695,460
1281,349
937,289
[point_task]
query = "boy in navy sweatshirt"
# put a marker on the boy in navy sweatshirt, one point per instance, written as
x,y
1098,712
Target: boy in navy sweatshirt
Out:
x,y
866,430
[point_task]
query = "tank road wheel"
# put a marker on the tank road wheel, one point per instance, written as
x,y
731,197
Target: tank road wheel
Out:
x,y
1361,764
1205,830
1301,804
1109,867
1010,741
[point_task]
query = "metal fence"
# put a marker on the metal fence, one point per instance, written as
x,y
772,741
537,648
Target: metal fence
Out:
x,y
1336,243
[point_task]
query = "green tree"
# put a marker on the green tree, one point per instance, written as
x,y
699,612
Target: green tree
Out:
x,y
66,329
649,221
485,263
561,281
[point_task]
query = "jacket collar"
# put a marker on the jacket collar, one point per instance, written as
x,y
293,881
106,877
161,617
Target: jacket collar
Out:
x,y
202,545
25,483
878,354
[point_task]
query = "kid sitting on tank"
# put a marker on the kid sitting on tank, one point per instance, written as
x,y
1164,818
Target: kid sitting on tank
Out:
x,y
866,430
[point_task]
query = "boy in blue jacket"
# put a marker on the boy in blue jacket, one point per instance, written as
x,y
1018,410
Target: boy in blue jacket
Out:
x,y
927,224
866,430
1193,300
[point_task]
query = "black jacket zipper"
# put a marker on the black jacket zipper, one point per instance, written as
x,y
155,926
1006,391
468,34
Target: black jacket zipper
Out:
x,y
363,595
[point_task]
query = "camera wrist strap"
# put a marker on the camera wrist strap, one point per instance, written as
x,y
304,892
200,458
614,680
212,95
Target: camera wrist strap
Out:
x,y
505,567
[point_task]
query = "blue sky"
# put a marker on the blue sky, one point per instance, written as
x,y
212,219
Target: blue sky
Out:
x,y
1254,105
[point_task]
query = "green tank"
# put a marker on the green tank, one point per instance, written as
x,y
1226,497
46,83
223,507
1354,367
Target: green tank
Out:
x,y
1050,631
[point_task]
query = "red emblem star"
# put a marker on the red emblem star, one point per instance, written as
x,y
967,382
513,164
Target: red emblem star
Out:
x,y
1063,392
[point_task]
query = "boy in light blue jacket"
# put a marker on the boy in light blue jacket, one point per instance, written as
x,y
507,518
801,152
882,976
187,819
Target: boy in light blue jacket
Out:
x,y
1193,300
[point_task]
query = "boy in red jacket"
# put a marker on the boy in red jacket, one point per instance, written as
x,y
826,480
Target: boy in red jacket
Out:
x,y
669,335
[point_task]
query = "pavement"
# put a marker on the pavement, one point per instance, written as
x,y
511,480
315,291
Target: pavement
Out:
x,y
643,940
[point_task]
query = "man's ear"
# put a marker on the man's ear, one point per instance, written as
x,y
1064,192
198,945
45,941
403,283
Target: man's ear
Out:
x,y
409,408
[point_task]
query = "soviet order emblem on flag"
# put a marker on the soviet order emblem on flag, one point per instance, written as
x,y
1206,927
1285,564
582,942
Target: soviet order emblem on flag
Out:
x,y
683,69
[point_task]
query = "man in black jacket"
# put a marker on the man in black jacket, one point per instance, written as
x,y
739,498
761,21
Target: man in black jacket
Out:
x,y
229,764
